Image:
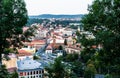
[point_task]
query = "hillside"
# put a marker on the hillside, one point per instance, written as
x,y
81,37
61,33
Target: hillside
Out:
x,y
46,16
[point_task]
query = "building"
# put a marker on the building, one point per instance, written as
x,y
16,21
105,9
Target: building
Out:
x,y
22,54
67,32
29,48
73,49
48,49
38,43
34,45
11,64
29,68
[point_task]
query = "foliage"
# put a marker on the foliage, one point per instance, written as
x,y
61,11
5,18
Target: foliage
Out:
x,y
13,16
35,20
60,47
77,68
29,33
14,75
36,57
3,72
71,57
90,71
56,70
103,22
65,42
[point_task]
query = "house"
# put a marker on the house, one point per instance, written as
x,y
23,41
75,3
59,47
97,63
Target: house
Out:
x,y
49,49
22,54
73,49
42,33
29,68
29,48
34,45
11,64
38,43
68,32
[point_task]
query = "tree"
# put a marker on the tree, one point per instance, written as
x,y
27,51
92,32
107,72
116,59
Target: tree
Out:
x,y
77,68
57,70
13,16
3,72
14,75
60,47
90,71
103,22
65,42
27,35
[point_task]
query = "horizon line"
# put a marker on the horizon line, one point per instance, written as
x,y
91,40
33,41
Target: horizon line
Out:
x,y
55,14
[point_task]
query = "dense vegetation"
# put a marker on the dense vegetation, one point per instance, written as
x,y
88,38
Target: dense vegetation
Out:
x,y
100,54
13,16
103,21
48,22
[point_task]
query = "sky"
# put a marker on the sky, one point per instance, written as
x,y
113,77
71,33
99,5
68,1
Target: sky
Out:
x,y
37,7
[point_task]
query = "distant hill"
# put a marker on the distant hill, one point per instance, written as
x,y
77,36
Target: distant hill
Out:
x,y
46,16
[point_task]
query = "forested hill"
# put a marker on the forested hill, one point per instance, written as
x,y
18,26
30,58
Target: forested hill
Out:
x,y
46,16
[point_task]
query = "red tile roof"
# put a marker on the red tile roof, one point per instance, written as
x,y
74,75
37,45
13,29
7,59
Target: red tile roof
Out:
x,y
38,42
23,53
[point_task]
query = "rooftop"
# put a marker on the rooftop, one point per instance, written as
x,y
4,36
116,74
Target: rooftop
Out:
x,y
28,63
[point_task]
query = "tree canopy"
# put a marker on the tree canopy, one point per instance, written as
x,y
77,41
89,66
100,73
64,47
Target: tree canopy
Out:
x,y
13,16
103,21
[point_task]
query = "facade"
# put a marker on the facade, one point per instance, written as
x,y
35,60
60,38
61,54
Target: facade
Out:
x,y
72,49
41,34
22,54
10,64
67,32
38,43
29,48
48,49
29,68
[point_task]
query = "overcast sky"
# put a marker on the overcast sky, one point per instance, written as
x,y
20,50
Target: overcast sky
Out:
x,y
37,7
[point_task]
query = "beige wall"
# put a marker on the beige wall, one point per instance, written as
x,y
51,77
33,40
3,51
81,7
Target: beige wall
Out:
x,y
10,63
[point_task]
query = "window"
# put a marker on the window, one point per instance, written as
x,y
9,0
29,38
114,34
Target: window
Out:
x,y
40,72
40,76
24,73
27,73
37,72
21,73
34,72
31,72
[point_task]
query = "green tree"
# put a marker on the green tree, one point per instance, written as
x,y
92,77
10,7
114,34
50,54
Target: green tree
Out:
x,y
89,71
29,33
65,42
14,75
57,70
60,47
77,68
71,57
3,72
103,22
13,16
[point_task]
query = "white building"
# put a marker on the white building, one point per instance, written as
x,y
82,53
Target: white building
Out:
x,y
29,68
48,49
57,40
67,32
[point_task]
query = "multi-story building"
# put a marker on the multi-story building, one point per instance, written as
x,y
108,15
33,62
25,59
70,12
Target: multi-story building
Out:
x,y
29,68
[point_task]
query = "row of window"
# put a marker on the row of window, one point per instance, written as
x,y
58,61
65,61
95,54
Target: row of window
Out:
x,y
35,76
31,73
